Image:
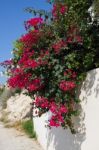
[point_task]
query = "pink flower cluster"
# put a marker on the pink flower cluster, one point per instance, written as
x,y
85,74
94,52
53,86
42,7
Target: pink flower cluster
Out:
x,y
74,35
33,22
27,55
19,79
63,9
59,8
57,114
70,74
35,85
7,63
43,57
42,102
23,80
30,63
67,85
58,46
30,38
57,110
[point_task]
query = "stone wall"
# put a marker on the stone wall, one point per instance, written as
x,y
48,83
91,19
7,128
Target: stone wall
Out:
x,y
15,107
18,107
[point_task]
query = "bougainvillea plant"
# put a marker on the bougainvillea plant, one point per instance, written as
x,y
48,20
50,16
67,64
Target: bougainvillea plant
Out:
x,y
50,59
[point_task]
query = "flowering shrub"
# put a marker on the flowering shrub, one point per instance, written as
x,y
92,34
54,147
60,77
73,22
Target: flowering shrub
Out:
x,y
50,60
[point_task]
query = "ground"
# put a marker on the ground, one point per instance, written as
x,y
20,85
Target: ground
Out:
x,y
11,139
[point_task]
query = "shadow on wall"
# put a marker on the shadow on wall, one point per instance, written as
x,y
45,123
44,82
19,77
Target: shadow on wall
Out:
x,y
91,84
64,139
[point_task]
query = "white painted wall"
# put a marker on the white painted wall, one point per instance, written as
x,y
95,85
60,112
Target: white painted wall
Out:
x,y
87,124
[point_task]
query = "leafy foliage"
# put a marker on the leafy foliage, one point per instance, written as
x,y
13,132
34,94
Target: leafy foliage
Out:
x,y
28,127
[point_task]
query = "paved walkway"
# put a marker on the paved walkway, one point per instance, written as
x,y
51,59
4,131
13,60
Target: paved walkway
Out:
x,y
11,139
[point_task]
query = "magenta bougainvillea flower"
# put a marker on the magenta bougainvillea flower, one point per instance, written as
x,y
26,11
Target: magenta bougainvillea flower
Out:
x,y
67,85
33,22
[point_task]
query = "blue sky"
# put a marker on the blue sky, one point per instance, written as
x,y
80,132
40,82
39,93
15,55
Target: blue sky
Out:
x,y
12,17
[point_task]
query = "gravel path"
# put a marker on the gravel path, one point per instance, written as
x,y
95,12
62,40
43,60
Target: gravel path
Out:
x,y
11,139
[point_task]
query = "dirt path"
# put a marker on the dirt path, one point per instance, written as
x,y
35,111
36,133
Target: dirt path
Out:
x,y
11,139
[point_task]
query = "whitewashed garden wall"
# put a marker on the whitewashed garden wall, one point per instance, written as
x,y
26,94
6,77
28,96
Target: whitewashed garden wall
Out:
x,y
87,124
